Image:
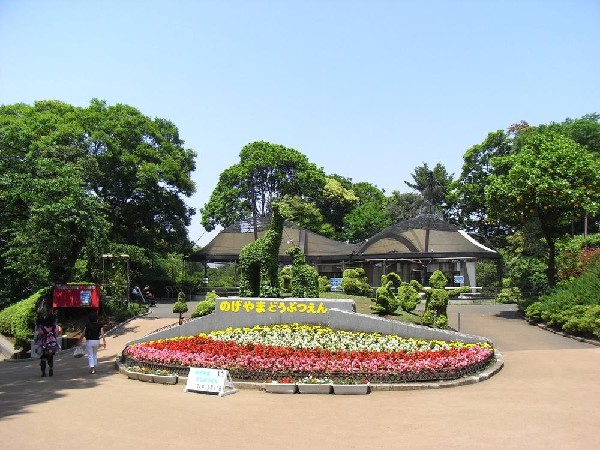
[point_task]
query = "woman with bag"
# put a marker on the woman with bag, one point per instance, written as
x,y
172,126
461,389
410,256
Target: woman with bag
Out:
x,y
92,333
46,337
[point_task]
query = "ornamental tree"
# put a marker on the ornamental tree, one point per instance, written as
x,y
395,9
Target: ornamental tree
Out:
x,y
266,172
551,182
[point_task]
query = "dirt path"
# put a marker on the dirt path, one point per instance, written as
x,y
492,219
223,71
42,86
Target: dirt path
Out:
x,y
545,397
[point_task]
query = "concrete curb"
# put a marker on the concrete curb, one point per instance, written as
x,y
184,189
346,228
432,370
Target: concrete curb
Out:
x,y
563,334
487,373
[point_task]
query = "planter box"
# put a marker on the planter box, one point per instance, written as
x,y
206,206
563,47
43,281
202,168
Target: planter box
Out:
x,y
132,375
351,389
148,377
314,388
165,379
281,388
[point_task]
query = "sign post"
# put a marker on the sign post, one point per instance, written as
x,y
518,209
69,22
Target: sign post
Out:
x,y
214,381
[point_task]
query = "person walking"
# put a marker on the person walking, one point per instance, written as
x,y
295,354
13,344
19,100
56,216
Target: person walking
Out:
x,y
46,337
93,332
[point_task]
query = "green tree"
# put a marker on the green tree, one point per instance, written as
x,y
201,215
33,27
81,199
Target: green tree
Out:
x,y
76,181
467,193
266,172
369,215
404,206
142,172
551,181
432,184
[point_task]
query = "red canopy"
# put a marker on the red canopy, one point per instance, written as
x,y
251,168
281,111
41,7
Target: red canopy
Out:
x,y
76,296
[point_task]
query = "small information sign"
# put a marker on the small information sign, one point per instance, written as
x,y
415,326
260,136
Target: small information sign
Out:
x,y
213,381
459,279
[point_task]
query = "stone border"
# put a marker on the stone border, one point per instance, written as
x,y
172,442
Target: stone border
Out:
x,y
490,371
543,326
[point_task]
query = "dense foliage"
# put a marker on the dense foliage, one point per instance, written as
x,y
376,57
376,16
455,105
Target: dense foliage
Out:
x,y
206,306
355,282
259,260
304,278
76,183
573,306
18,320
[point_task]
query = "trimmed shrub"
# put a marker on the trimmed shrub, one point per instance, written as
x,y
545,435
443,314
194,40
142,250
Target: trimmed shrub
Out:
x,y
408,296
385,300
355,282
324,284
206,306
18,320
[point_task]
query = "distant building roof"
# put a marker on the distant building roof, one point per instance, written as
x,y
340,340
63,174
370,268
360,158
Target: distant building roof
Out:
x,y
226,246
425,236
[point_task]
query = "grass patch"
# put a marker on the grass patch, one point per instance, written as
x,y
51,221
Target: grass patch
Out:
x,y
363,306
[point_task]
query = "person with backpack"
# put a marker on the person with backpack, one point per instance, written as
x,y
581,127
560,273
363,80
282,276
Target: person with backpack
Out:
x,y
47,338
93,332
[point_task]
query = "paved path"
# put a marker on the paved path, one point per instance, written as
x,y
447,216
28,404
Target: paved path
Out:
x,y
546,397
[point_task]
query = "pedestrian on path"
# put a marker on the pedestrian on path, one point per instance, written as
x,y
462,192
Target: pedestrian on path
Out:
x,y
93,332
46,337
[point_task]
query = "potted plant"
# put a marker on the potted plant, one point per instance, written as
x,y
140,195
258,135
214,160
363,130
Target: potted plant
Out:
x,y
285,385
145,374
314,385
351,386
132,372
163,376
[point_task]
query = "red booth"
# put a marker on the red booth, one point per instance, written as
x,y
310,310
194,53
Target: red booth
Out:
x,y
76,296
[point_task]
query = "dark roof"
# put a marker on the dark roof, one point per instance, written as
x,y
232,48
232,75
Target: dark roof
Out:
x,y
226,246
425,236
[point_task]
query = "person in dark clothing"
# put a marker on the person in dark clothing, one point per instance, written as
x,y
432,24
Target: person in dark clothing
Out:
x,y
46,337
93,332
149,296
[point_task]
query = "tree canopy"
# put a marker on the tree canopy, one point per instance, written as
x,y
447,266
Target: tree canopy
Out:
x,y
74,181
551,180
266,172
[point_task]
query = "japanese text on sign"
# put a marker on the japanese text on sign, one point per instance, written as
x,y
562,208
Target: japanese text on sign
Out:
x,y
206,380
262,307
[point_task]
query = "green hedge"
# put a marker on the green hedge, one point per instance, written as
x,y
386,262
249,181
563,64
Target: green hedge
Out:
x,y
574,306
18,319
206,306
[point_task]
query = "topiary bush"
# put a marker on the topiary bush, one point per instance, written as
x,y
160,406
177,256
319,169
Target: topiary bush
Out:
x,y
258,260
435,314
305,278
180,306
206,306
385,300
324,284
355,282
285,279
408,296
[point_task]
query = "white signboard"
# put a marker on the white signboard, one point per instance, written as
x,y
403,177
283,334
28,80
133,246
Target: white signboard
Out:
x,y
214,381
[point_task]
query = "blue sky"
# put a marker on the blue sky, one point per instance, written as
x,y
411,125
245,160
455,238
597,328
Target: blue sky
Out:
x,y
365,89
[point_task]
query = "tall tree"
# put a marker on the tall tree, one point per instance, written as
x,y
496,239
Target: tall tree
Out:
x,y
142,171
404,206
73,180
433,184
468,192
369,215
549,181
266,172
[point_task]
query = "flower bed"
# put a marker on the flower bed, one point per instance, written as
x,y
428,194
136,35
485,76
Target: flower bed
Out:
x,y
265,352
